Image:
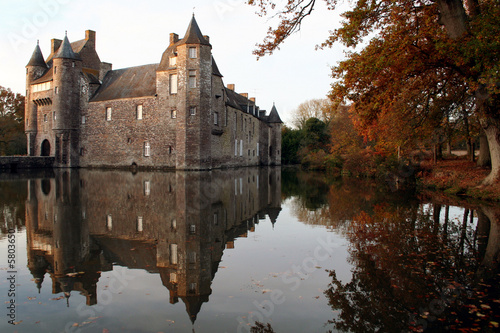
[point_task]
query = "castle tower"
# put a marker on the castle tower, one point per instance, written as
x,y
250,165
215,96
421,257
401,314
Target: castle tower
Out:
x,y
66,68
184,85
274,122
35,68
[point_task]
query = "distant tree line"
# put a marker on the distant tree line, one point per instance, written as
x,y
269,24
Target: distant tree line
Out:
x,y
325,136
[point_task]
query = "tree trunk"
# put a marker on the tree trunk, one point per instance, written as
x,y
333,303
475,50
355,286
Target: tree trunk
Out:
x,y
484,159
453,17
493,136
492,253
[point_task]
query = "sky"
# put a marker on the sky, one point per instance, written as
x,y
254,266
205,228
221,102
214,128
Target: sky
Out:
x,y
132,33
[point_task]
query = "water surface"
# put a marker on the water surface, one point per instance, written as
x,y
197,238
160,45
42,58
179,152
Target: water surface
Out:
x,y
113,251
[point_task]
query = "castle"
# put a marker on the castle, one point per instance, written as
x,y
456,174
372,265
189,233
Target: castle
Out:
x,y
176,114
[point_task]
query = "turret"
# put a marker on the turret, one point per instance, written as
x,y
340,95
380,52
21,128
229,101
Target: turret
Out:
x,y
194,118
35,68
275,122
66,68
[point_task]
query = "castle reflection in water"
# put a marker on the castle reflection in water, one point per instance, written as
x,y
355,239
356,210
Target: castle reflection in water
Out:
x,y
80,223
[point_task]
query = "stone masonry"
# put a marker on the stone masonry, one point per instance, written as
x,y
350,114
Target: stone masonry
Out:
x,y
176,114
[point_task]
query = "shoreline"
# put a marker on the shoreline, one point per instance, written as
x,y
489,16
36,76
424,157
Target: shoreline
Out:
x,y
459,177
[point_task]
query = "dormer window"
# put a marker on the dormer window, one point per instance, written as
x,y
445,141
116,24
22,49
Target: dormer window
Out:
x,y
172,61
192,53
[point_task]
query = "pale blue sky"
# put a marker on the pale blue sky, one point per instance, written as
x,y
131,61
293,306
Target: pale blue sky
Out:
x,y
132,33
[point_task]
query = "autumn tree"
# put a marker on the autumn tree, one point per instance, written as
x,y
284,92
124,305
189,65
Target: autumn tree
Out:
x,y
313,108
421,54
12,138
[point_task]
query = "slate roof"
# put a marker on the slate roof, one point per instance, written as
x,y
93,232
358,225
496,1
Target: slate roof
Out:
x,y
274,116
48,76
237,101
37,58
65,51
193,35
215,69
130,82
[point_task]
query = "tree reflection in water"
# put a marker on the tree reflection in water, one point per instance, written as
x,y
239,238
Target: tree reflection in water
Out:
x,y
414,271
414,267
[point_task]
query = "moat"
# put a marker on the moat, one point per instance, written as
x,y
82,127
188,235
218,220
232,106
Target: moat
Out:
x,y
116,251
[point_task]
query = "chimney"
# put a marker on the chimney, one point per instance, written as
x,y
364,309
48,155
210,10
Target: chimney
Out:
x,y
252,99
244,95
54,45
174,38
90,37
207,37
230,86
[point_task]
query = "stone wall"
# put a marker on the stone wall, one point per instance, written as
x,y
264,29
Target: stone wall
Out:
x,y
25,162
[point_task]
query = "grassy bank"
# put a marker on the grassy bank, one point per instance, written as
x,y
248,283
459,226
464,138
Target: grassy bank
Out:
x,y
457,176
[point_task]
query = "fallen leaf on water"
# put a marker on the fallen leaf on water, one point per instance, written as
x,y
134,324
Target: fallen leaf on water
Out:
x,y
57,298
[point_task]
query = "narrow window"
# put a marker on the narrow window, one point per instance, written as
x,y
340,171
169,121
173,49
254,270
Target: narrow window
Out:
x,y
192,110
55,69
257,149
108,114
235,147
192,257
173,224
82,151
192,52
54,115
173,83
45,117
173,277
192,229
55,90
241,147
173,114
173,254
139,224
192,79
216,219
216,118
235,122
109,222
147,187
84,119
147,149
139,111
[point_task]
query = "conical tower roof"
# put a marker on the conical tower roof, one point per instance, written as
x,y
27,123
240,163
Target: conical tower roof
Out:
x,y
37,58
65,51
193,34
274,117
